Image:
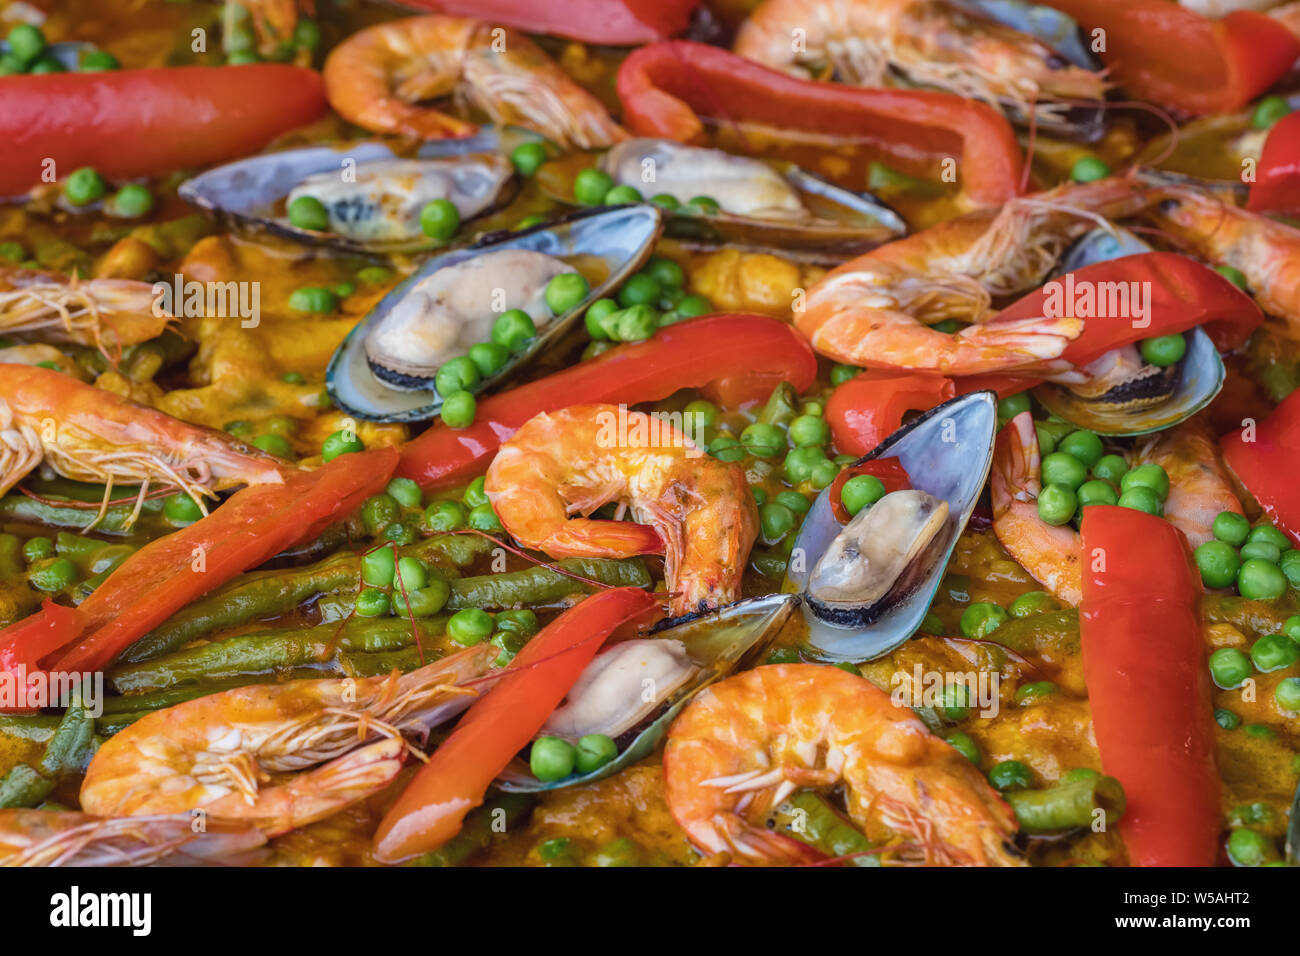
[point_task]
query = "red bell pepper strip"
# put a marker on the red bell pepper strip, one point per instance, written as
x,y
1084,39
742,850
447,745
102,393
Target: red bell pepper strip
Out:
x,y
1149,685
1266,459
1164,53
866,410
610,22
22,645
498,725
1277,180
666,88
133,123
742,356
253,526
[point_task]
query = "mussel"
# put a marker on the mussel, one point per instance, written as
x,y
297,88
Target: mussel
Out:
x,y
1128,396
867,585
373,195
613,697
762,204
385,368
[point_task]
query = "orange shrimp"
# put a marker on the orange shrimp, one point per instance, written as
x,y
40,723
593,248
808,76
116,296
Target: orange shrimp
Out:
x,y
66,838
700,512
105,313
87,434
876,311
928,42
1199,486
215,753
1051,554
745,744
377,77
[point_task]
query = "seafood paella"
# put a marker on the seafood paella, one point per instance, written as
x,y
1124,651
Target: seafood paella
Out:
x,y
650,432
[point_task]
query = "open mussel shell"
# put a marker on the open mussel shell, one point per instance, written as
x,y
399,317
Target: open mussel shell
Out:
x,y
716,644
606,245
947,453
246,196
1184,390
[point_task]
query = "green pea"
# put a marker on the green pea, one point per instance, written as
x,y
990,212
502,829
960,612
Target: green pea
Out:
x,y
1273,652
1150,476
37,549
823,473
341,443
528,157
1217,563
726,448
293,378
552,758
842,373
703,413
814,409
521,621
1289,565
1268,111
58,574
848,667
1229,667
1233,275
640,289
703,205
1231,528
379,566
378,511
965,745
280,425
456,375
26,41
1062,469
1046,439
1057,504
274,444
374,275
306,34
667,273
763,441
313,299
84,187
131,201
809,430
401,533
488,357
1287,694
372,602
594,751
440,219
423,602
12,252
620,195
590,187
1247,847
47,63
529,222
800,463
1261,550
783,655
1260,731
1013,405
344,289
955,702
444,516
1079,773
1226,719
459,409
1034,692
483,518
11,65
776,520
1088,169
475,493
182,509
1259,580
636,324
513,329
1269,535
981,619
792,500
861,491
1141,498
411,573
1291,627
597,313
565,292
1084,446
691,306
242,58
308,212
1097,492
98,61
1164,350
406,492
1010,775
666,201
1031,603
469,626
1111,468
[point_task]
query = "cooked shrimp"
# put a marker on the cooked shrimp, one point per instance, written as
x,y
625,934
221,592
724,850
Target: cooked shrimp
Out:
x,y
105,313
217,753
1199,486
928,42
377,77
87,434
65,838
700,512
876,311
745,744
1051,554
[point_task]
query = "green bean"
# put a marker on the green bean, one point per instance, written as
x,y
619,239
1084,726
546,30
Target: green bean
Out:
x,y
361,664
36,730
1053,634
11,556
268,651
68,751
1249,617
496,816
1067,805
768,564
21,509
808,818
23,787
17,598
540,585
781,407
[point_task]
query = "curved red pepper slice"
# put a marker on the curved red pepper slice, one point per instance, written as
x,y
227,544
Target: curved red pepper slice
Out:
x,y
500,724
611,22
253,526
133,123
866,410
743,357
1266,459
1277,180
666,88
1148,684
1167,54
